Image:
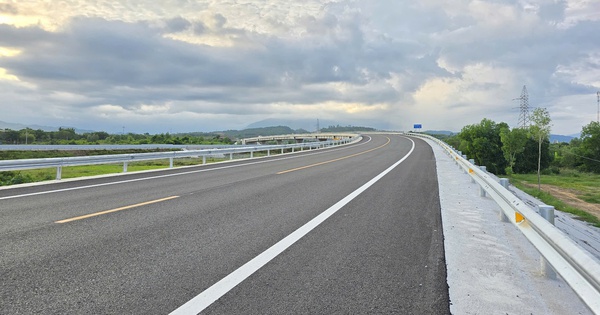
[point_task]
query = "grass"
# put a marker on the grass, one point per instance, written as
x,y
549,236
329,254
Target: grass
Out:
x,y
587,186
38,175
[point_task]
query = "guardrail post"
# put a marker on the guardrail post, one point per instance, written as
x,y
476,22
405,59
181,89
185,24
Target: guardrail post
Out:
x,y
268,152
281,150
230,156
472,161
203,159
58,172
504,183
170,162
124,167
251,154
547,212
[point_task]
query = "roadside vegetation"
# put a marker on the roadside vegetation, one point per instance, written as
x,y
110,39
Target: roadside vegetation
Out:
x,y
68,136
570,191
564,175
38,175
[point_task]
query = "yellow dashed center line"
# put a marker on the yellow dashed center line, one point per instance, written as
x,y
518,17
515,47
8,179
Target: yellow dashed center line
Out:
x,y
115,210
335,160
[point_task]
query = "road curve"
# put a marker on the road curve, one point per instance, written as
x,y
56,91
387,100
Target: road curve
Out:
x,y
150,243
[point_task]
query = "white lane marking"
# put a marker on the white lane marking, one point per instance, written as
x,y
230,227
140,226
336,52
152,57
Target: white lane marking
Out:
x,y
167,175
217,290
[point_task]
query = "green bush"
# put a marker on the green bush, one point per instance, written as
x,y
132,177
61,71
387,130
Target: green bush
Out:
x,y
14,178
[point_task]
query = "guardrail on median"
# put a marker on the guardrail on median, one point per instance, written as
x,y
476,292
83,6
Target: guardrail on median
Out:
x,y
59,163
574,264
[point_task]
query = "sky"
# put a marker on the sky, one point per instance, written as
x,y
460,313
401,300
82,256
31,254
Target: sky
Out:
x,y
184,65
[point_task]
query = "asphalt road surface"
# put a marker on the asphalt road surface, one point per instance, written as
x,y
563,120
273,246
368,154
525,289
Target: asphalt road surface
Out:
x,y
353,229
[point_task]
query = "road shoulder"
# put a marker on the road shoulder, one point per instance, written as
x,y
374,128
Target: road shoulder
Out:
x,y
491,266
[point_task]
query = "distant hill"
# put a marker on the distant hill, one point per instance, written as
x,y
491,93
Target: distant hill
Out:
x,y
439,132
260,131
561,138
16,126
339,128
306,124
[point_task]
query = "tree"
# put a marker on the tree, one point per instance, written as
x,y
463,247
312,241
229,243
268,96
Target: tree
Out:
x,y
482,143
540,129
10,136
66,133
513,143
26,136
590,147
527,161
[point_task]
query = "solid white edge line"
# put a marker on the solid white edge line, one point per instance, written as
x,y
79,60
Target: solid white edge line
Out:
x,y
217,290
162,176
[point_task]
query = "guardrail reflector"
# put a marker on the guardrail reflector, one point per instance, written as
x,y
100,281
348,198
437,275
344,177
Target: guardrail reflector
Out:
x,y
519,217
471,171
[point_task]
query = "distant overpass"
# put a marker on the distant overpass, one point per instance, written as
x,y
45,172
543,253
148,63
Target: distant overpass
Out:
x,y
310,137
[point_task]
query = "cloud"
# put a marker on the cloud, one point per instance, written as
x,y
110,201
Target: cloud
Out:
x,y
552,11
8,8
177,24
442,63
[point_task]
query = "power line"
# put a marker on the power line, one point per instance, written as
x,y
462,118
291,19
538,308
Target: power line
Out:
x,y
583,157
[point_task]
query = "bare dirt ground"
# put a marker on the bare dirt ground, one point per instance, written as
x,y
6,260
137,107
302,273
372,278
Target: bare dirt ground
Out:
x,y
570,197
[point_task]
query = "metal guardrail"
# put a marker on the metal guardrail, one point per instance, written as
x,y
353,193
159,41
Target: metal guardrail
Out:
x,y
577,267
59,163
301,137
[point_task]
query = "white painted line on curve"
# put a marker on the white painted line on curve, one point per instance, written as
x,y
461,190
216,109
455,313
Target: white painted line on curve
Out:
x,y
217,290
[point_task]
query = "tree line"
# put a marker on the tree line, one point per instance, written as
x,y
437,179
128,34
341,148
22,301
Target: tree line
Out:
x,y
527,150
69,136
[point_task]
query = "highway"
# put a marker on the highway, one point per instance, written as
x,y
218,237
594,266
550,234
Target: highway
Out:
x,y
352,229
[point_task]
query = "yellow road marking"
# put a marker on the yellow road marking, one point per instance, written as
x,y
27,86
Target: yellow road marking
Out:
x,y
334,160
115,210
